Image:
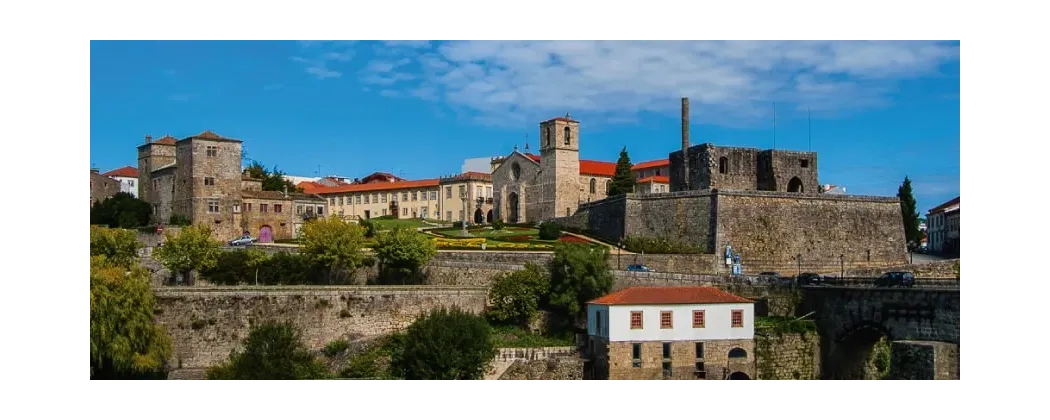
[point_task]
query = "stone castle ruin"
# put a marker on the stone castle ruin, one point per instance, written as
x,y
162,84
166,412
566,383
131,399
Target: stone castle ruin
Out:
x,y
765,206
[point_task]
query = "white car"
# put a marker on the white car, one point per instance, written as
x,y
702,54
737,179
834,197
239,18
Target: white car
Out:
x,y
244,240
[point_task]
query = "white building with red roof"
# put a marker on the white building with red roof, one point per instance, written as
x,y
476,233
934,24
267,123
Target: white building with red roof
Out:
x,y
128,177
680,332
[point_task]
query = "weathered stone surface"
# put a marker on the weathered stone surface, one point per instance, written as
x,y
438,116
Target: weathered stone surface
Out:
x,y
947,269
206,323
924,360
613,360
558,369
787,355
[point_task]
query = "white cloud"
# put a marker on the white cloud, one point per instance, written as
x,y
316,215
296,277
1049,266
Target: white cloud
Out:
x,y
321,72
325,54
727,82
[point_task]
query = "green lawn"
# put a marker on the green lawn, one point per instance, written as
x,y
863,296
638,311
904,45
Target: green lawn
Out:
x,y
488,233
389,224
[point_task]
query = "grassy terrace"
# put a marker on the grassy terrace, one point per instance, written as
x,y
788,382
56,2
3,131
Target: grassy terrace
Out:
x,y
508,336
523,238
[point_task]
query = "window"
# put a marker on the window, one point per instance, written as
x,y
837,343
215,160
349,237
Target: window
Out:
x,y
340,201
449,215
636,320
433,195
738,353
608,186
568,212
738,318
209,180
481,191
247,207
568,136
594,185
636,355
236,208
423,195
700,351
488,192
414,195
320,210
448,192
665,320
404,196
462,191
698,319
383,197
667,350
550,134
299,209
211,151
404,211
723,165
366,198
597,323
700,373
332,200
804,163
262,208
667,369
375,198
213,206
276,208
423,212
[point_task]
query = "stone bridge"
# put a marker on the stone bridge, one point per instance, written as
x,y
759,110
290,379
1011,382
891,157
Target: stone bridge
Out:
x,y
922,324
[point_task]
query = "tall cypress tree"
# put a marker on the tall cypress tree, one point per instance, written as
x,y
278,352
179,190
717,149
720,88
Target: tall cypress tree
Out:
x,y
623,182
911,217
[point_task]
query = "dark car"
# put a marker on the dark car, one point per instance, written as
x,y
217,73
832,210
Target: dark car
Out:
x,y
810,279
638,267
896,279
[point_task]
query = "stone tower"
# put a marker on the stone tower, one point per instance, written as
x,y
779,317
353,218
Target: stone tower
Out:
x,y
559,177
153,155
208,182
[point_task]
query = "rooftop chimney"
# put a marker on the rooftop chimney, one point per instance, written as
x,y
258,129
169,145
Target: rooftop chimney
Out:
x,y
285,190
94,170
685,143
149,139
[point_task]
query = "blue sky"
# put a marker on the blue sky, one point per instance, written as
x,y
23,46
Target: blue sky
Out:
x,y
880,110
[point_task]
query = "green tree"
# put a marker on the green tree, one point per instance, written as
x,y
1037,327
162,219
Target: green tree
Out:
x,y
125,342
272,180
272,350
623,181
370,227
119,246
517,296
255,259
910,215
402,253
444,344
578,273
549,231
333,243
497,224
121,210
191,250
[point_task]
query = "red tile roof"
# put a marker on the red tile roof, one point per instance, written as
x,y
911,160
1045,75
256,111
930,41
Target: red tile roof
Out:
x,y
310,187
378,186
127,172
941,207
601,168
660,179
651,164
168,140
210,135
668,295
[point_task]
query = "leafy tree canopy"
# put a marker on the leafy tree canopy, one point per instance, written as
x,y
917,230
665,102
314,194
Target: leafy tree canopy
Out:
x,y
119,246
272,180
909,214
121,210
444,344
578,273
272,350
517,296
402,252
191,249
125,342
333,242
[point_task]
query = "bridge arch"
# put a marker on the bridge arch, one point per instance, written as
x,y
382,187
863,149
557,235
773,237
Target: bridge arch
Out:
x,y
859,352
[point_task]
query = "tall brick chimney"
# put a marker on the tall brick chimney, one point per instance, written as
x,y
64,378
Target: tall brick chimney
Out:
x,y
685,143
149,139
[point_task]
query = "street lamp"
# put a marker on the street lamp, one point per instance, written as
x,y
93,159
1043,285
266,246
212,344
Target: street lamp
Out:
x,y
619,251
842,266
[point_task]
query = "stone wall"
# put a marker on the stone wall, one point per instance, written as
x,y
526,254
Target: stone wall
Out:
x,y
102,187
787,355
770,230
924,360
684,217
206,323
947,269
558,369
683,360
605,219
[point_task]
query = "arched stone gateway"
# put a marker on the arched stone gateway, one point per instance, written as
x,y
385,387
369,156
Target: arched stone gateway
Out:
x,y
795,185
512,208
488,218
852,356
739,376
479,217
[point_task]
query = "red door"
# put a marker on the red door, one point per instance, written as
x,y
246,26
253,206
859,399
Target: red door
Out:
x,y
265,234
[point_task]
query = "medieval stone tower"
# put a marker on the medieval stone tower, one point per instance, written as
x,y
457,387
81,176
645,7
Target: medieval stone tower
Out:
x,y
559,177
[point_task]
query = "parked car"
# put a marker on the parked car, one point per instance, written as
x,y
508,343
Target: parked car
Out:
x,y
243,240
896,279
639,267
810,279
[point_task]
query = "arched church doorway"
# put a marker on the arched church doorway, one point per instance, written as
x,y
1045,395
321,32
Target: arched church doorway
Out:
x,y
795,185
479,217
512,203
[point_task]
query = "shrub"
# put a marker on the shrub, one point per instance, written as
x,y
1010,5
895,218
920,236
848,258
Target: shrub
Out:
x,y
121,210
516,296
578,273
118,246
125,342
333,243
192,249
370,227
444,344
271,351
335,347
660,246
549,231
179,220
402,253
497,224
457,224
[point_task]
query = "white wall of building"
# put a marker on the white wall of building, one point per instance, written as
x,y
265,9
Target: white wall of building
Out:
x,y
128,185
717,322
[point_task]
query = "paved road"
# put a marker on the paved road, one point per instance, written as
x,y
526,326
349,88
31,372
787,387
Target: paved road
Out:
x,y
925,258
